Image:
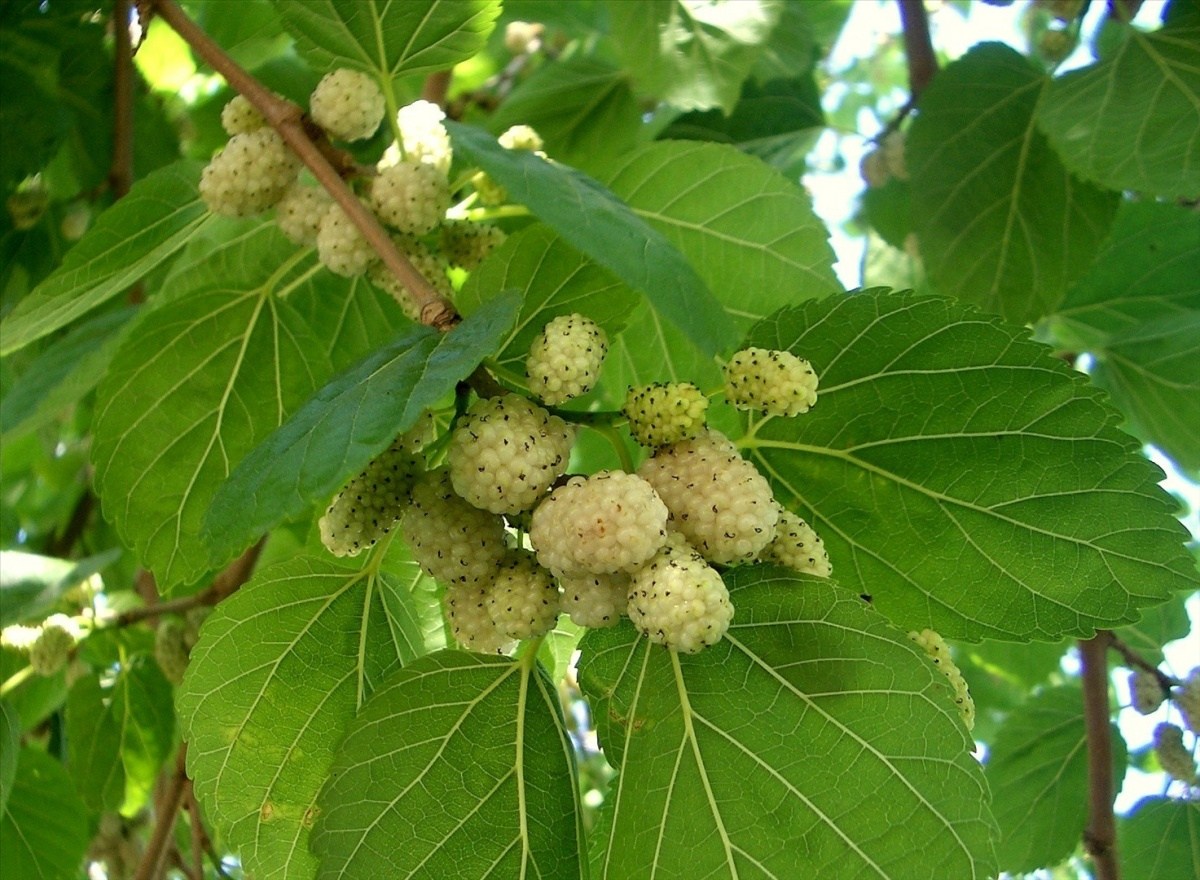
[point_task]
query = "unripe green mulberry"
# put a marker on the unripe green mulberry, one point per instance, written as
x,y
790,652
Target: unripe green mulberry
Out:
x,y
299,213
771,381
1145,692
171,649
410,197
341,248
565,359
1173,755
798,547
468,244
523,598
665,413
347,104
425,261
939,652
52,647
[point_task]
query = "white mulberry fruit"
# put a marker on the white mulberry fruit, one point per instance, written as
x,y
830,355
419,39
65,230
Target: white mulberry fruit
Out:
x,y
1173,755
1187,698
521,137
468,244
347,104
678,600
523,598
665,412
609,522
239,116
1145,692
798,547
470,623
410,197
717,499
341,248
452,541
595,600
299,213
52,647
771,381
423,137
370,504
506,452
250,175
938,651
565,358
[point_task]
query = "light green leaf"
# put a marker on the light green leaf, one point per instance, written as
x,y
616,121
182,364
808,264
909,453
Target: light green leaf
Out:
x,y
595,222
1132,120
933,466
458,767
1137,310
734,762
389,38
10,744
692,54
348,422
1002,224
1159,625
95,740
141,706
227,365
556,280
351,317
158,216
1160,840
280,670
44,832
1037,771
30,584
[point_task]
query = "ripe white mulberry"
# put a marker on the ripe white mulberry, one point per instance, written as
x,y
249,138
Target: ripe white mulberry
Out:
x,y
665,412
717,499
595,600
1145,692
341,248
938,651
250,175
453,541
347,104
521,137
239,116
523,598
798,547
506,452
565,358
467,614
423,137
370,504
410,197
678,600
771,381
609,522
299,213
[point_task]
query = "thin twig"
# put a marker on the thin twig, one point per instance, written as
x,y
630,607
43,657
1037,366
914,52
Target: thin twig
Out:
x,y
288,119
1100,835
918,46
62,543
1134,660
155,856
120,172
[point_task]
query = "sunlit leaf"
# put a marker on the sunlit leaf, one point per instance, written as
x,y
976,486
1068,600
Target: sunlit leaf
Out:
x,y
1160,840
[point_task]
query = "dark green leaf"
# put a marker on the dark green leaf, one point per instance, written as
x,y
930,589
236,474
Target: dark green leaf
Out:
x,y
934,464
458,767
155,219
388,38
692,55
591,219
1132,120
10,744
348,422
94,740
1002,224
227,366
1037,770
1160,840
44,832
734,762
280,670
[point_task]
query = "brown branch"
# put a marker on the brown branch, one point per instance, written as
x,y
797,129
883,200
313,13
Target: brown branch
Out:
x,y
63,543
120,172
224,584
436,86
918,46
154,859
1134,660
1100,835
288,119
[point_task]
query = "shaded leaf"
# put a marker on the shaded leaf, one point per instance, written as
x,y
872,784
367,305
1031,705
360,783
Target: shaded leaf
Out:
x,y
388,38
44,831
1160,840
158,216
10,744
1037,771
348,422
95,742
458,767
965,478
1159,625
1131,121
30,584
1001,222
280,670
734,761
592,220
692,55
